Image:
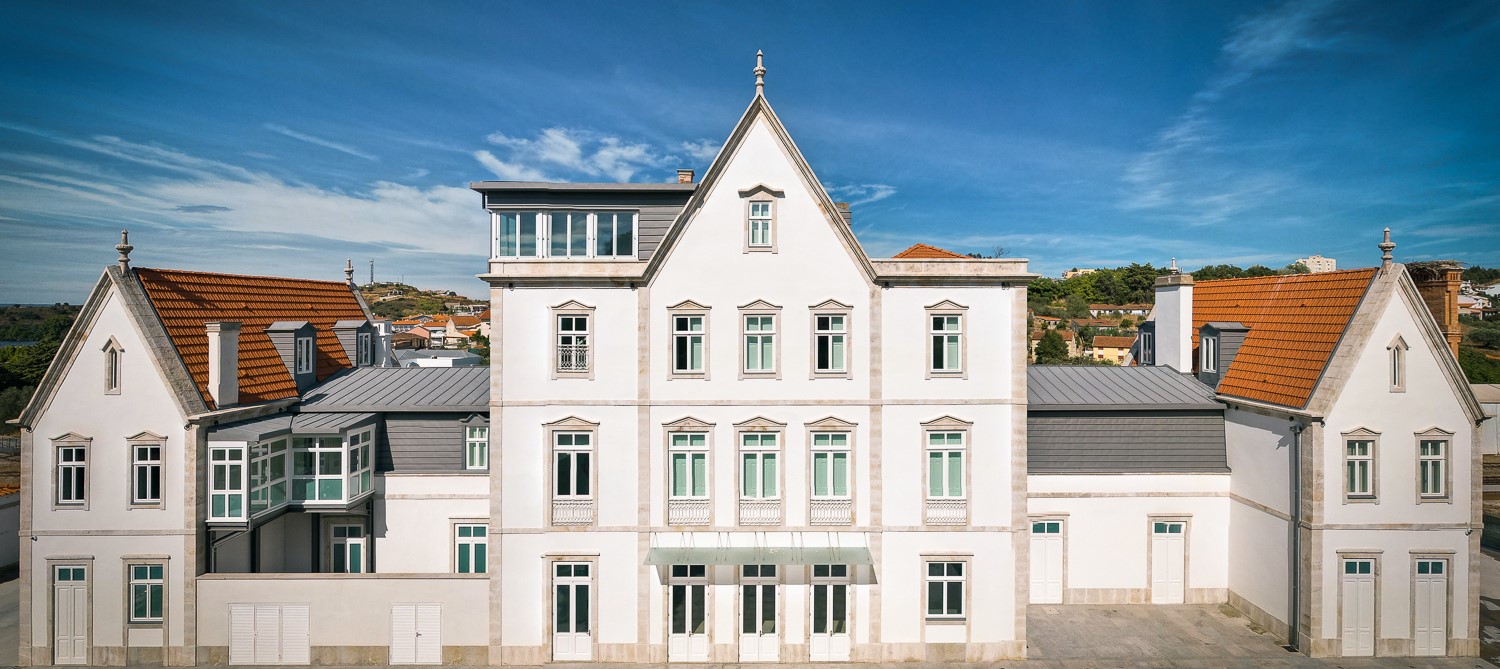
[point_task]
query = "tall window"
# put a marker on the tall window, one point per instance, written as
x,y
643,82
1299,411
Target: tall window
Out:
x,y
364,340
689,454
361,464
565,234
1396,375
947,342
760,224
304,355
688,334
1432,465
1359,468
145,469
268,475
830,465
470,546
146,585
476,447
571,459
1209,354
318,469
347,550
830,332
758,451
226,486
573,343
516,234
945,590
1148,347
72,472
760,343
112,362
945,465
570,234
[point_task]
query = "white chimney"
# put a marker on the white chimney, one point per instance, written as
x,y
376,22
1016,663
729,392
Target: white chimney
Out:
x,y
224,362
1174,321
381,353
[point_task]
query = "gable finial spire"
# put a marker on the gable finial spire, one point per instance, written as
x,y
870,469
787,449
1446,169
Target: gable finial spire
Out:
x,y
348,270
760,73
1174,267
124,248
1385,250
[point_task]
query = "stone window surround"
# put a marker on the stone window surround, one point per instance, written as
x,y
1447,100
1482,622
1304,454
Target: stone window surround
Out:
x,y
688,308
453,524
947,424
967,560
1447,556
1396,369
114,366
1435,434
760,308
552,560
762,193
165,561
576,308
572,424
831,425
1187,548
760,425
689,425
947,308
1360,434
73,439
147,438
830,307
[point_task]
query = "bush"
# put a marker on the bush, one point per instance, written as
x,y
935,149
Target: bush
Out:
x,y
1477,366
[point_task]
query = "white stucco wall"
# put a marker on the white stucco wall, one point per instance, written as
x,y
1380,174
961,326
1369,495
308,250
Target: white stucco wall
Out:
x,y
414,517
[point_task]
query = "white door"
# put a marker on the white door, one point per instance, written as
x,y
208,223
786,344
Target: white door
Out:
x,y
572,639
1357,607
1432,607
70,619
829,641
416,634
1046,562
347,552
1168,553
268,634
759,638
687,640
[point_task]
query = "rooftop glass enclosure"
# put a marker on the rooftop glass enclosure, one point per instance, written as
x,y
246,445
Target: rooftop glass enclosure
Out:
x,y
331,468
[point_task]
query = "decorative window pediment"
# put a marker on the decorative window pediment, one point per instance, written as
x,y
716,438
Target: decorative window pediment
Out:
x,y
1398,343
1361,432
112,344
759,423
688,423
571,423
761,188
947,423
1434,432
573,305
830,423
947,305
73,437
688,305
146,436
832,305
759,305
475,419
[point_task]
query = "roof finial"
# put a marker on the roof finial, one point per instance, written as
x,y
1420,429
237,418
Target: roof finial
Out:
x,y
1174,267
124,248
1385,249
348,270
760,73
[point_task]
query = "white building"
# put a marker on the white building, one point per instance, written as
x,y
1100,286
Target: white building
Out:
x,y
1316,263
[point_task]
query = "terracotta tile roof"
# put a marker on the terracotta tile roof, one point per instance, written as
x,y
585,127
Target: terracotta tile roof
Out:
x,y
406,322
925,252
185,301
1067,335
1295,323
485,315
1098,322
465,321
1105,341
8,489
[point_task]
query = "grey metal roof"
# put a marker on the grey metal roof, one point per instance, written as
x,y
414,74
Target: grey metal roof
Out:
x,y
1487,393
267,427
1069,387
1133,442
557,186
402,389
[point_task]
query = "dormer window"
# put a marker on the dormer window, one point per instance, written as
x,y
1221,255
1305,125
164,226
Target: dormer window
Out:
x,y
1208,354
759,227
1148,347
564,234
304,355
365,341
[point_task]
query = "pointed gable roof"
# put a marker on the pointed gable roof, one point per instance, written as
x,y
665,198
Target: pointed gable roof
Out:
x,y
1296,321
923,251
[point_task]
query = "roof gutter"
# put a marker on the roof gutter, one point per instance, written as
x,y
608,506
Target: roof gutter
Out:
x,y
241,412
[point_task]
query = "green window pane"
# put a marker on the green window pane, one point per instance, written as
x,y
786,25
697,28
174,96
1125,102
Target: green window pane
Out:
x,y
748,476
463,559
217,506
480,565
700,475
465,531
355,557
679,475
955,474
934,598
278,493
155,593
236,505
330,489
768,475
767,353
837,352
840,474
952,353
955,598
695,353
820,474
140,602
935,473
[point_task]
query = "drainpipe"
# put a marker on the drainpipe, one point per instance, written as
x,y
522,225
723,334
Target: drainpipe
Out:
x,y
1294,617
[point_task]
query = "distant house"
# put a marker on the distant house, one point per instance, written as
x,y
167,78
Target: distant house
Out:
x,y
1316,263
1472,305
1113,349
408,340
404,325
1049,322
430,358
1077,272
1097,310
1112,322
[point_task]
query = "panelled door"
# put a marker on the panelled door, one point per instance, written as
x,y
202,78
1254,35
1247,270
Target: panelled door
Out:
x,y
268,634
1046,562
416,633
70,615
347,552
571,638
687,640
759,637
1357,607
1168,562
829,641
1431,593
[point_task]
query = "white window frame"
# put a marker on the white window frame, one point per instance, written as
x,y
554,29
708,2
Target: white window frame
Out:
x,y
681,443
946,578
304,355
542,220
359,455
685,337
1208,353
1396,364
339,545
75,468
567,344
364,343
1435,468
948,451
762,222
316,446
145,460
574,450
140,579
836,443
761,311
476,447
263,484
228,468
114,363
823,331
946,310
475,547
1361,470
759,446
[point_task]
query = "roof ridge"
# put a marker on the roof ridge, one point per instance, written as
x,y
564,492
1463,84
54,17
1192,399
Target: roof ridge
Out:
x,y
1290,277
240,276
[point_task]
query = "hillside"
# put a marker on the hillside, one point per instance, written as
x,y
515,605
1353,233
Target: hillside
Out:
x,y
35,323
399,300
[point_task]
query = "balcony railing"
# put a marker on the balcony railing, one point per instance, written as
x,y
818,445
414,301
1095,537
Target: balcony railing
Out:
x,y
760,512
572,512
831,512
573,358
947,511
687,512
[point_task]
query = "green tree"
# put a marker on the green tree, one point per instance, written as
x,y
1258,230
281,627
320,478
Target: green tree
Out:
x,y
1051,349
1043,291
1078,307
480,345
1479,367
1486,337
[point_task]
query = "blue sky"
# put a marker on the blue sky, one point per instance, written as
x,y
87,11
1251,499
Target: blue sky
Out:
x,y
282,138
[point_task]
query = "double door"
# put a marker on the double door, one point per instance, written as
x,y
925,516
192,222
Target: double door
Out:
x,y
268,634
760,640
416,634
572,635
829,640
687,636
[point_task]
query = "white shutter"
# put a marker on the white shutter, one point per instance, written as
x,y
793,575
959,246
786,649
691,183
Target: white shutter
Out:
x,y
294,648
242,634
267,634
429,634
403,633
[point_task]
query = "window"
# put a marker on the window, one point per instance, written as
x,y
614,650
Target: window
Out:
x,y
268,475
564,234
760,344
226,487
1148,347
945,590
1208,351
347,551
830,337
361,465
759,229
689,455
830,465
364,349
945,338
1359,468
945,465
146,585
688,334
758,451
72,475
1397,368
304,355
476,447
145,469
471,543
571,453
318,469
572,343
1432,465
112,366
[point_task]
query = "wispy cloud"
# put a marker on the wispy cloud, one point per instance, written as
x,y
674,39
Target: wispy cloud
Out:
x,y
858,194
569,154
701,150
200,208
319,141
